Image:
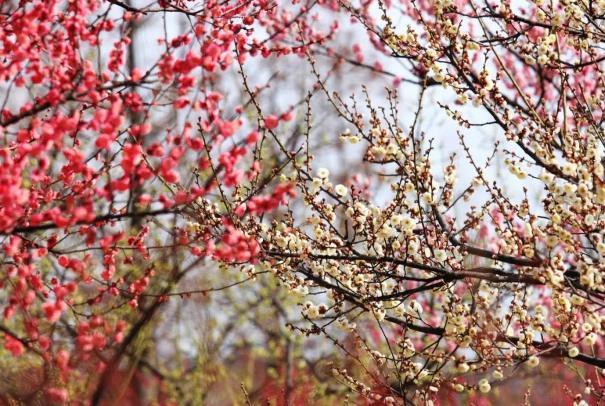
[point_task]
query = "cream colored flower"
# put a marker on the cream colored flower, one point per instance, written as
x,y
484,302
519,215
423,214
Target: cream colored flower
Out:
x,y
341,190
533,361
484,386
323,173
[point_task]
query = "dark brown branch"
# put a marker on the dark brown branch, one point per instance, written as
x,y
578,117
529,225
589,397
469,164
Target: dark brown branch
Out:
x,y
484,253
103,218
